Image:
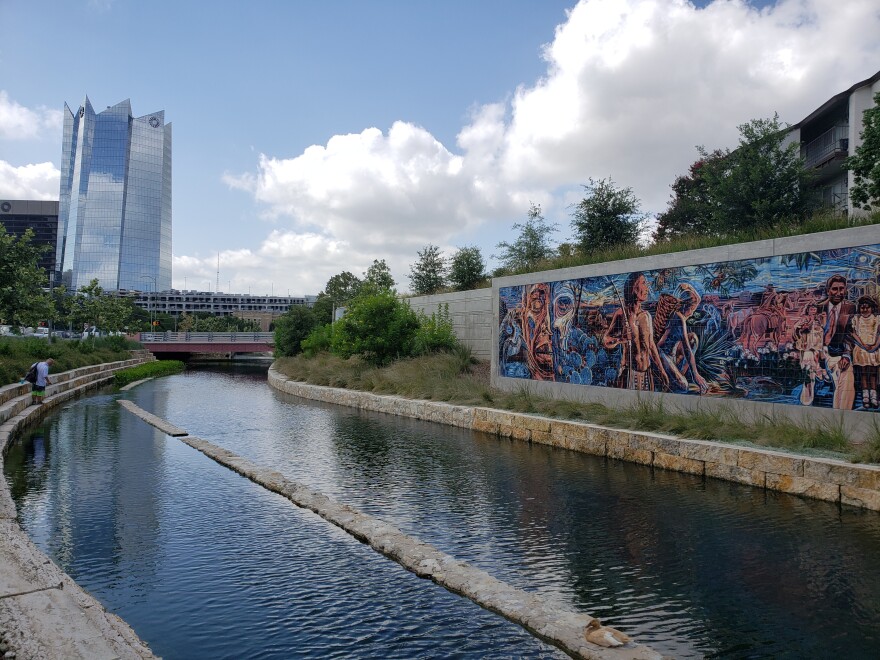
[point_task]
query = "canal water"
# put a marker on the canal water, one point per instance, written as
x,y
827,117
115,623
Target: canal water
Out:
x,y
205,564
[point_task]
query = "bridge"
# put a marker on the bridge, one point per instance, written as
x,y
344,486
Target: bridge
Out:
x,y
183,344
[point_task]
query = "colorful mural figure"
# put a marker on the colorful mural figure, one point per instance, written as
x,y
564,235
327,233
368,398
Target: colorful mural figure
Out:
x,y
802,329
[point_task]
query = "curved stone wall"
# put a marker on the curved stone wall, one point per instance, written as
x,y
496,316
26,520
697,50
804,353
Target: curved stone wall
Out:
x,y
43,612
824,479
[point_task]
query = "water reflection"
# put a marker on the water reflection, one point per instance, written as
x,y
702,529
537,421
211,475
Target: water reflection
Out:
x,y
205,564
693,567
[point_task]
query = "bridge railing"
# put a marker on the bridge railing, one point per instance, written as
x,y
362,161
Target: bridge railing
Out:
x,y
207,337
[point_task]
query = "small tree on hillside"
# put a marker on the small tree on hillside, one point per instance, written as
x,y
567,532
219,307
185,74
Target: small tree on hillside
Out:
x,y
467,268
690,211
379,276
762,183
865,162
338,292
606,217
342,288
533,245
428,274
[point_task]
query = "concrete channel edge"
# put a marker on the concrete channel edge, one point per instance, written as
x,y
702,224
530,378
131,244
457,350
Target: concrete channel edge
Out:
x,y
818,478
44,613
556,625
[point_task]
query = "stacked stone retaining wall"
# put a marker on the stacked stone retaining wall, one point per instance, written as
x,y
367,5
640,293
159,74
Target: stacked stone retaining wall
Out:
x,y
824,479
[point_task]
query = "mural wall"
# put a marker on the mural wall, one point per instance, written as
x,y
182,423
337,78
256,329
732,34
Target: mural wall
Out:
x,y
801,329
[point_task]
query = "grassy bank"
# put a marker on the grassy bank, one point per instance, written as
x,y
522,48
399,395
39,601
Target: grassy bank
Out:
x,y
456,378
148,370
18,354
821,221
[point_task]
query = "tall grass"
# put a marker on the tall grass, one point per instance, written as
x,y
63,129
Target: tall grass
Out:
x,y
455,379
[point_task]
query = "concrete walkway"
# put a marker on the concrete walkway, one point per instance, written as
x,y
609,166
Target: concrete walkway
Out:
x,y
44,614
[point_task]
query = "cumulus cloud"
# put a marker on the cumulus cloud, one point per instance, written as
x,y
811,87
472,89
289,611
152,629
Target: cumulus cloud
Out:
x,y
38,181
20,123
631,87
286,261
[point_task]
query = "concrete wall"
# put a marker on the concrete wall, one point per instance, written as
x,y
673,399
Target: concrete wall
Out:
x,y
858,423
471,313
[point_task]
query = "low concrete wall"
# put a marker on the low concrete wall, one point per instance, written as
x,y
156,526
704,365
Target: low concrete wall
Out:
x,y
43,612
471,313
823,479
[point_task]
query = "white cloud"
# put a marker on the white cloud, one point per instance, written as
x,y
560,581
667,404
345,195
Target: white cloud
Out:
x,y
20,123
38,181
631,87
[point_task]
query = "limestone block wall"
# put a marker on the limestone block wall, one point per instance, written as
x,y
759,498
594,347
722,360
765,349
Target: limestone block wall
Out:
x,y
823,479
471,313
768,328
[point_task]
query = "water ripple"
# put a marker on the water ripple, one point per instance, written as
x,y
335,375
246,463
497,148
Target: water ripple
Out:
x,y
692,567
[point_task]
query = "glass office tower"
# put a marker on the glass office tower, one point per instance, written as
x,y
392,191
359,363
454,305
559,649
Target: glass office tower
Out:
x,y
114,221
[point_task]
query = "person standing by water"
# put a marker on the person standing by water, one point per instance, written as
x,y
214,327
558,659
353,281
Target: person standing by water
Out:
x,y
38,388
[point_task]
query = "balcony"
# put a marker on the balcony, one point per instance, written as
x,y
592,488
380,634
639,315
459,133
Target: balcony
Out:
x,y
832,144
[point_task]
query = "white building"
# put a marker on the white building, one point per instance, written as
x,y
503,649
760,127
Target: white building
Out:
x,y
831,133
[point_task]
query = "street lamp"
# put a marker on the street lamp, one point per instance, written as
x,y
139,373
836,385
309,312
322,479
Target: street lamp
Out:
x,y
150,298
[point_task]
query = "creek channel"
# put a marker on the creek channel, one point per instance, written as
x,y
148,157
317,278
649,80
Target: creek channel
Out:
x,y
203,563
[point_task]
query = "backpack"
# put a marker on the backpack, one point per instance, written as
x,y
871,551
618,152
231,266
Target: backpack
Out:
x,y
31,375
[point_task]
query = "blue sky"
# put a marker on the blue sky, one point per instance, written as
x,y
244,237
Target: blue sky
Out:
x,y
311,138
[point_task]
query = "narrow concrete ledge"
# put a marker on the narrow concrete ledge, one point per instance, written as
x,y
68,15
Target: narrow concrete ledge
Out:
x,y
150,418
43,613
824,479
556,625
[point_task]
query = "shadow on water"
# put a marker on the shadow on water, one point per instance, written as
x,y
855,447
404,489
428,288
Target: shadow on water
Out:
x,y
185,550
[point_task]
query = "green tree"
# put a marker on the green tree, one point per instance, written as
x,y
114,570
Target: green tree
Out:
x,y
428,274
323,308
377,327
532,246
107,312
378,275
865,162
467,268
690,211
761,183
22,298
291,328
606,217
342,288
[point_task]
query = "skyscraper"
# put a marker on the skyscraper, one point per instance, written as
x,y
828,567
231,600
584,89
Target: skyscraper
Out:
x,y
114,221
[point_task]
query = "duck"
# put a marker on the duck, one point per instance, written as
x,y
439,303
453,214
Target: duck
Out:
x,y
601,635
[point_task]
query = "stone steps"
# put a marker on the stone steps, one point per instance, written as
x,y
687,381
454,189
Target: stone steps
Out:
x,y
16,397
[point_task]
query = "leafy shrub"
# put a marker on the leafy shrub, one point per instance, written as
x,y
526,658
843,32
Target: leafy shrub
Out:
x,y
377,327
435,332
320,340
116,343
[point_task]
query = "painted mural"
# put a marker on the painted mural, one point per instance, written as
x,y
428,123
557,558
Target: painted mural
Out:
x,y
801,329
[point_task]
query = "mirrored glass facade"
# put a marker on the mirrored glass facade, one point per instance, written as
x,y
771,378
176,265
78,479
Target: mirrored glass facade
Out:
x,y
115,199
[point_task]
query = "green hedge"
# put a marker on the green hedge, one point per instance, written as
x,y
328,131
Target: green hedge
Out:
x,y
149,370
17,354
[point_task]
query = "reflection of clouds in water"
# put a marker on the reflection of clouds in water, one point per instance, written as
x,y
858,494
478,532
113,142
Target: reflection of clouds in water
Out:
x,y
39,445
